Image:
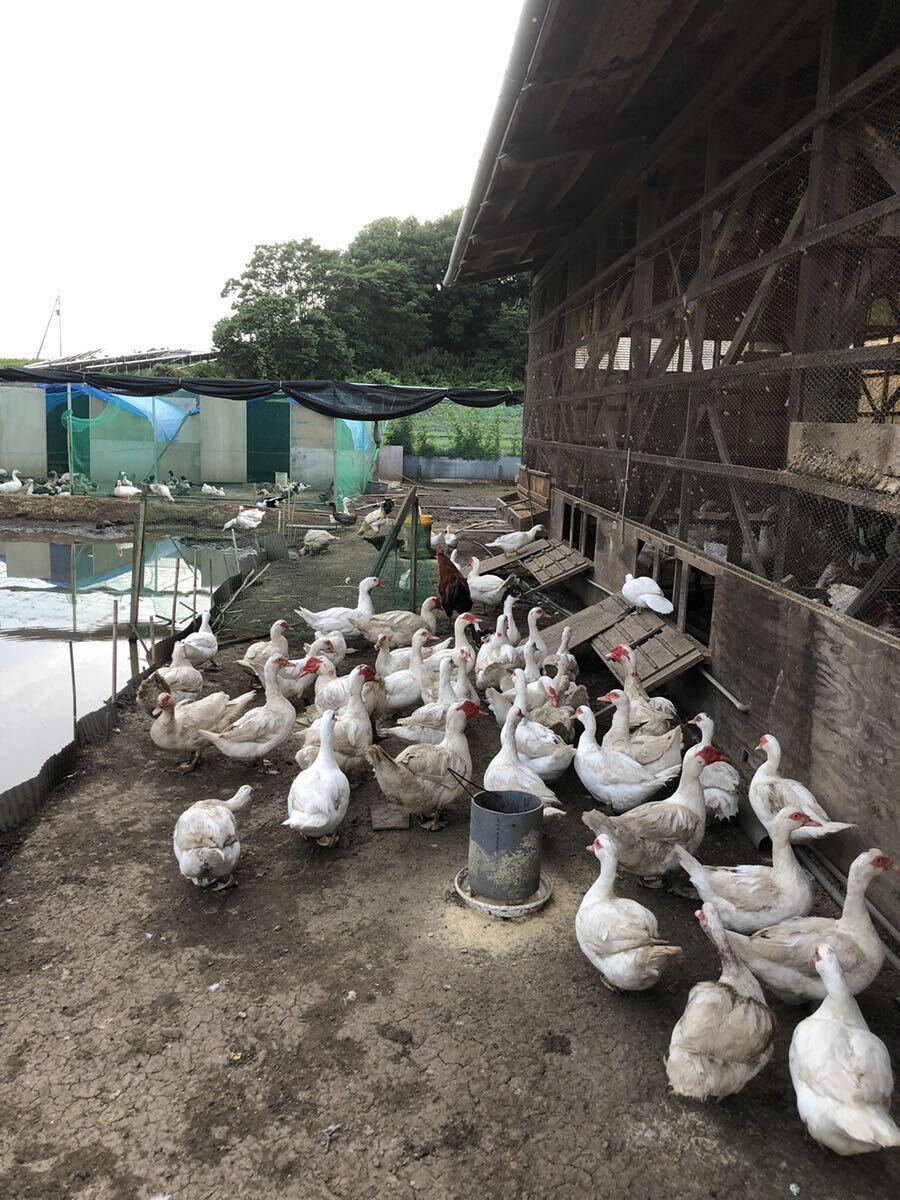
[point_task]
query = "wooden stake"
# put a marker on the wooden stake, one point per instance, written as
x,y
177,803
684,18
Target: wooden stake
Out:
x,y
194,606
137,565
237,561
115,661
175,593
152,641
74,692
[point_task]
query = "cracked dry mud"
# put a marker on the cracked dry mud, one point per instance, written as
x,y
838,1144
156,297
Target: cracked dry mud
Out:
x,y
459,1057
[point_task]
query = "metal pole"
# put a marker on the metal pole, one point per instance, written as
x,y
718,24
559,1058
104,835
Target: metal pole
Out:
x,y
175,592
194,606
137,567
414,555
69,437
115,665
74,693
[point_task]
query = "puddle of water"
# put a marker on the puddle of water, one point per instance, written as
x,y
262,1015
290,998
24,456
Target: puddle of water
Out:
x,y
53,594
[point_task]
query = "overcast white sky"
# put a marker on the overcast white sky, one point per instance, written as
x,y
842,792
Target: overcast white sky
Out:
x,y
159,142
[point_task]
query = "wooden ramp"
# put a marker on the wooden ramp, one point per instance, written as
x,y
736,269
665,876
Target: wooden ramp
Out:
x,y
661,650
491,565
548,562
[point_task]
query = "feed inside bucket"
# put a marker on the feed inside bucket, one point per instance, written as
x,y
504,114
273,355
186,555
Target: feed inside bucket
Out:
x,y
505,836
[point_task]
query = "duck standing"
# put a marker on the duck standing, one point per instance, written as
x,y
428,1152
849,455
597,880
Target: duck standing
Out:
x,y
258,654
258,732
320,794
770,791
619,936
179,726
339,617
351,732
508,771
841,1071
726,1033
611,775
206,839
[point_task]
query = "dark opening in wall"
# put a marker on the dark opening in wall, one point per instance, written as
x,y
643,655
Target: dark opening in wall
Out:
x,y
575,539
567,522
700,595
590,536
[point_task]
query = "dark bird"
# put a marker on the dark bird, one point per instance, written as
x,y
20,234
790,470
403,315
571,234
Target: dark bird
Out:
x,y
341,518
452,587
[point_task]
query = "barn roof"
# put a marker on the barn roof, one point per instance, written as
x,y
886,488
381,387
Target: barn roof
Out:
x,y
589,85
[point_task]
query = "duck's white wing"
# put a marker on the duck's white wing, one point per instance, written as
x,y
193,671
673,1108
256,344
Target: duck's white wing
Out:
x,y
428,762
844,1062
618,768
659,821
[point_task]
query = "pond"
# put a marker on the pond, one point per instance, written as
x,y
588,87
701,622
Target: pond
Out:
x,y
53,595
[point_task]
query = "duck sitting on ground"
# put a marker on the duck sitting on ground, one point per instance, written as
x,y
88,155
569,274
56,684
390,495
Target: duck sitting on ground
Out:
x,y
726,1033
320,794
841,1071
317,541
509,543
258,732
206,839
749,898
618,936
782,956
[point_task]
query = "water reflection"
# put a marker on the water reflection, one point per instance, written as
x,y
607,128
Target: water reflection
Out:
x,y
53,593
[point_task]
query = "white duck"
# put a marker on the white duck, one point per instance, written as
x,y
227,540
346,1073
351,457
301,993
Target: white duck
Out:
x,y
484,589
419,779
644,592
316,541
726,1034
403,689
647,834
612,775
336,646
258,654
508,543
653,751
508,771
655,715
14,484
720,781
247,519
123,491
749,898
351,733
206,839
374,522
496,656
534,636
209,489
397,625
619,936
562,661
333,691
770,791
179,679
545,752
201,647
261,730
339,618
509,606
179,726
841,1071
161,490
295,680
428,723
781,957
320,794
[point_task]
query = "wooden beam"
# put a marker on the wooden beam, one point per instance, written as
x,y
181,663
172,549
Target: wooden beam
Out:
x,y
875,584
588,140
880,154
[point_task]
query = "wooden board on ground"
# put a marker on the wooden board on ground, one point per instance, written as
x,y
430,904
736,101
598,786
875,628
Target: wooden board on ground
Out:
x,y
388,816
489,565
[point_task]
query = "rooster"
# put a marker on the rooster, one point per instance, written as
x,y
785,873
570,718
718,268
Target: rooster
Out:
x,y
452,587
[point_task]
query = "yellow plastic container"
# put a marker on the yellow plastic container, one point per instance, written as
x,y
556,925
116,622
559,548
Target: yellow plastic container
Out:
x,y
425,520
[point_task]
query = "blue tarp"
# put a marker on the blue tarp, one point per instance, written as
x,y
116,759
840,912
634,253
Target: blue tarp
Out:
x,y
168,416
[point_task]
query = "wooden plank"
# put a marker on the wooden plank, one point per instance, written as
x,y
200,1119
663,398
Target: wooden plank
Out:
x,y
678,667
503,560
585,624
881,576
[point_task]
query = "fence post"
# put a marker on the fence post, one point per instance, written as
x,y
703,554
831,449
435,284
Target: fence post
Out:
x,y
137,567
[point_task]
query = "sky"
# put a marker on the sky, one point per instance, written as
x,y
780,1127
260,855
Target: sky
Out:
x,y
149,147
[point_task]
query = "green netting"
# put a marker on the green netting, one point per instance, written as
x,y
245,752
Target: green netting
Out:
x,y
355,455
396,573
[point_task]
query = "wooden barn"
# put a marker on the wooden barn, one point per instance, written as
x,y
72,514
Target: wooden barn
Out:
x,y
707,196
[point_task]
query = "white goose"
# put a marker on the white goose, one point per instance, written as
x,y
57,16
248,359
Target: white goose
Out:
x,y
841,1071
206,842
611,775
14,484
509,772
258,732
726,1033
619,936
770,791
124,491
339,618
320,794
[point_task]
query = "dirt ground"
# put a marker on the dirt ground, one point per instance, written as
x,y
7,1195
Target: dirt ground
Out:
x,y
339,1025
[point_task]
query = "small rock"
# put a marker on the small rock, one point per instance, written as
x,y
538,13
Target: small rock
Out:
x,y
214,987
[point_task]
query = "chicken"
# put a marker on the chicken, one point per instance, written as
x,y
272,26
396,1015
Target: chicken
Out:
x,y
452,587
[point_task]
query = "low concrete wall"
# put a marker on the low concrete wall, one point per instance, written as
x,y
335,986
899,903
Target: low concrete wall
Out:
x,y
23,430
875,446
389,467
486,470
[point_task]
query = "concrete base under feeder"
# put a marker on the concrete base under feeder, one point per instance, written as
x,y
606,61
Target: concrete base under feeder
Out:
x,y
496,908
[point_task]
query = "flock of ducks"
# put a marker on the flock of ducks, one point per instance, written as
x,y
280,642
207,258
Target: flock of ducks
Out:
x,y
424,690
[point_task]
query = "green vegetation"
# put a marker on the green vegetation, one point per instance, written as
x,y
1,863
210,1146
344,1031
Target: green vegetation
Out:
x,y
375,313
459,432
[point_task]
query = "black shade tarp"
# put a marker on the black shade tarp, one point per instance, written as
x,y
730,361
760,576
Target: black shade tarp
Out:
x,y
355,401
